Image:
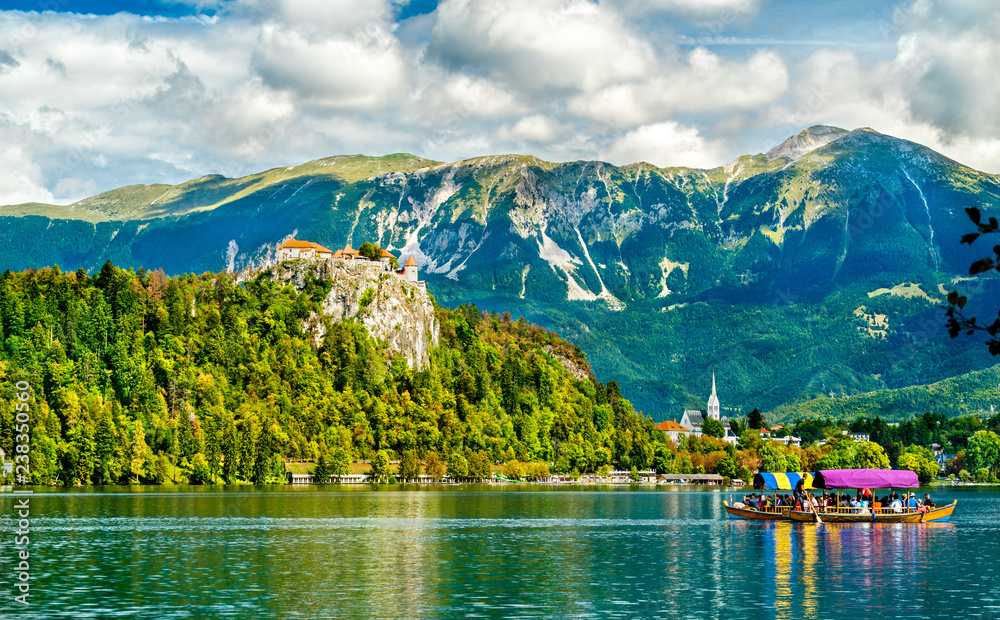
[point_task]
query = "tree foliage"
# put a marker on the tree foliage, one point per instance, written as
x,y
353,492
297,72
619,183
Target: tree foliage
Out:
x,y
713,428
957,321
223,381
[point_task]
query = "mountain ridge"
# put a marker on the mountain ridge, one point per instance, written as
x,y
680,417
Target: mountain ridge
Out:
x,y
590,249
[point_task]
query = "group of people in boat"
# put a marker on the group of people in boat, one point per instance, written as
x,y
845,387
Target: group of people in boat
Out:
x,y
863,502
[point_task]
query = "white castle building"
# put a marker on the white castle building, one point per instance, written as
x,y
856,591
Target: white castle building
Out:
x,y
294,249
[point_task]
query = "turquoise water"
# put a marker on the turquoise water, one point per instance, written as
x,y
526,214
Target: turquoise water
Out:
x,y
518,551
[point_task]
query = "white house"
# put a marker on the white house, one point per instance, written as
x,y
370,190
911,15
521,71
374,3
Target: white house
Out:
x,y
293,248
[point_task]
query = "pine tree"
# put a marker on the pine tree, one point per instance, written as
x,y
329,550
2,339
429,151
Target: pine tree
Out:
x,y
230,453
139,453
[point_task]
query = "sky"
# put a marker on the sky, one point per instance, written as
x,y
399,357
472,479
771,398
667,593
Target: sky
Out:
x,y
99,94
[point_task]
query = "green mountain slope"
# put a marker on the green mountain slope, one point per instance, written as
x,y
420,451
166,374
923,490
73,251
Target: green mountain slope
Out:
x,y
762,268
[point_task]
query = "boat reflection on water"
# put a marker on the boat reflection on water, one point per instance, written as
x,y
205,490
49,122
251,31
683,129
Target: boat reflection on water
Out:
x,y
805,567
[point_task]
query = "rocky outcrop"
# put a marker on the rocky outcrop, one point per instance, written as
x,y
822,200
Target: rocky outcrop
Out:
x,y
392,309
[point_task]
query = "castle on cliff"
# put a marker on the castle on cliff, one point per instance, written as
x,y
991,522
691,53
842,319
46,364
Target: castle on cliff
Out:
x,y
294,249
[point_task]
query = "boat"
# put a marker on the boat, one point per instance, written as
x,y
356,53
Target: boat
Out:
x,y
779,481
837,479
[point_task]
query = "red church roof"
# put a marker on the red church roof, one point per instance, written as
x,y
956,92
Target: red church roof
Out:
x,y
670,425
410,262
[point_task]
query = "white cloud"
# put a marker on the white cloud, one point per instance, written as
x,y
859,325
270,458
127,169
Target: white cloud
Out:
x,y
941,89
113,100
702,82
342,73
534,128
666,144
540,44
21,180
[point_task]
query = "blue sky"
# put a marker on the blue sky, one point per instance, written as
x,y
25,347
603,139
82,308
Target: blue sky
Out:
x,y
94,95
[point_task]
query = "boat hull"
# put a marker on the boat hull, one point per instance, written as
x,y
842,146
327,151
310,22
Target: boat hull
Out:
x,y
937,515
754,515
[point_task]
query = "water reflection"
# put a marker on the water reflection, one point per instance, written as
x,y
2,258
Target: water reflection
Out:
x,y
424,553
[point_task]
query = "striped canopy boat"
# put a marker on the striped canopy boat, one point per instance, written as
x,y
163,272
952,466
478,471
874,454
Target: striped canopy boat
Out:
x,y
783,481
770,481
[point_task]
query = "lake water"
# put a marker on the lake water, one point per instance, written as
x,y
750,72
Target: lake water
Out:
x,y
516,551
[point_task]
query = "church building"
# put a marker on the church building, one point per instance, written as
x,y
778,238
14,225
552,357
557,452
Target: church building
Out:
x,y
693,419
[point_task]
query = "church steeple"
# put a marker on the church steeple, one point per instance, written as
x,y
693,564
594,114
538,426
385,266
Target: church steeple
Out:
x,y
713,400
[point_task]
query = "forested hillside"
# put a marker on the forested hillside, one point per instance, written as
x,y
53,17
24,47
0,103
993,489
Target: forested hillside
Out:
x,y
132,373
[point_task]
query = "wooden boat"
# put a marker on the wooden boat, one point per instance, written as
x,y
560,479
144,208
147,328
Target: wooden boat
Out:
x,y
766,514
870,479
938,514
781,481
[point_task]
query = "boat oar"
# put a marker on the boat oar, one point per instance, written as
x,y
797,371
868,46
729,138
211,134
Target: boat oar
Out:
x,y
813,507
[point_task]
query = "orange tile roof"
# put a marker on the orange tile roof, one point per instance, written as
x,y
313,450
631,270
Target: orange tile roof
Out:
x,y
670,425
302,245
386,254
410,262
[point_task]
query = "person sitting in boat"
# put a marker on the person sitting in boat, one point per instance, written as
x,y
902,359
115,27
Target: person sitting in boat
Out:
x,y
753,501
877,505
895,504
913,503
927,500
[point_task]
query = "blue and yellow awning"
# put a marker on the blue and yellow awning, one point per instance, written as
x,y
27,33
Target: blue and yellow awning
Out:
x,y
783,481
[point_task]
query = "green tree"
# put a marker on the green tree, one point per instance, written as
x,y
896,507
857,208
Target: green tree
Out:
x,y
321,473
139,453
433,466
727,467
458,467
340,463
230,453
772,457
479,466
983,451
870,455
381,467
370,251
409,466
793,462
200,472
663,459
263,454
750,440
755,419
633,474
736,426
925,469
713,428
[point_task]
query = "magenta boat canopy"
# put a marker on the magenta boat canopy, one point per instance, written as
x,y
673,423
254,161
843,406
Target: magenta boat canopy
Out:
x,y
865,479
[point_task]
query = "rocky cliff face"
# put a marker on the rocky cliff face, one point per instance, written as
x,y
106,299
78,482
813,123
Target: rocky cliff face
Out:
x,y
391,308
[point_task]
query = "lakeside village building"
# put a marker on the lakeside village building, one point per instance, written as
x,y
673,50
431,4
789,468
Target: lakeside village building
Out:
x,y
693,419
307,250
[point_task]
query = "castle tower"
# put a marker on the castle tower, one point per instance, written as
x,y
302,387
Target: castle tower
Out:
x,y
713,401
410,269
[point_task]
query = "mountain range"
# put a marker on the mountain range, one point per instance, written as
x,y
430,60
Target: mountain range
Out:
x,y
815,270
